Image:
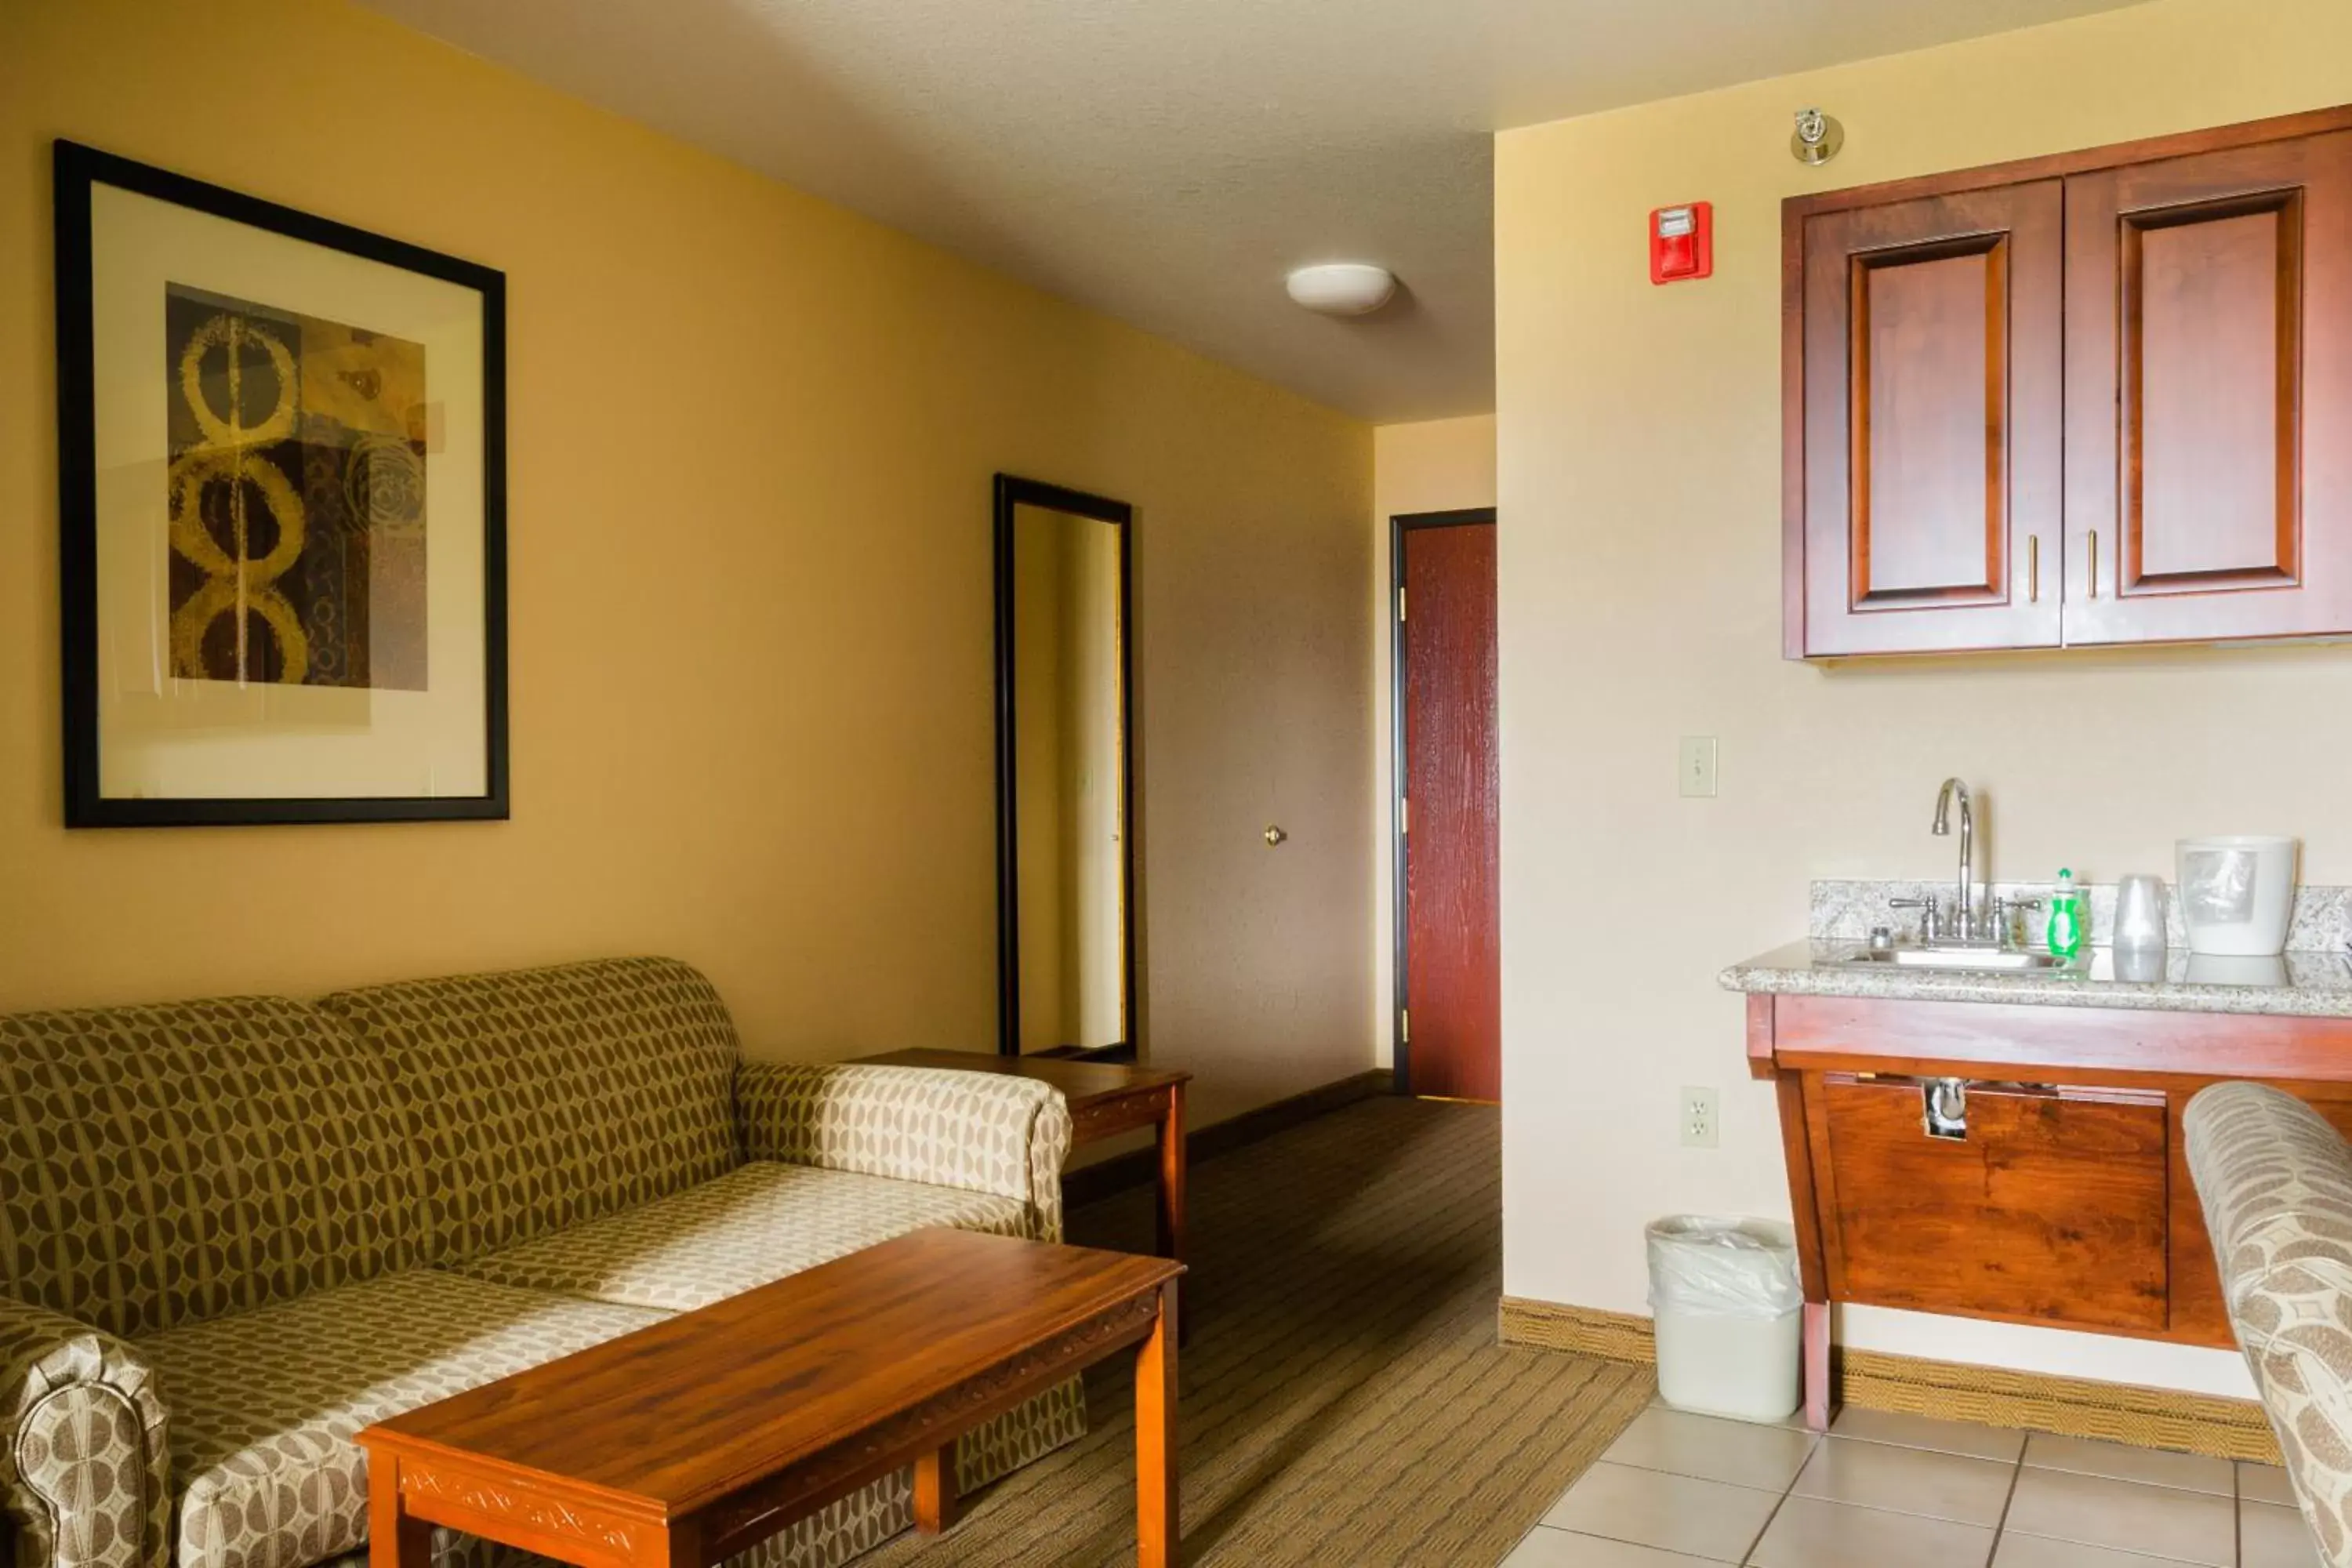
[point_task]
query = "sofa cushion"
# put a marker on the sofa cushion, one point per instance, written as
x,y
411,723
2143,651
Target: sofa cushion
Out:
x,y
751,1226
542,1098
264,1404
166,1164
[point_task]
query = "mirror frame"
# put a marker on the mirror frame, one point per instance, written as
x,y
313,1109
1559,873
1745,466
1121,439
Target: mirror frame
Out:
x,y
1012,492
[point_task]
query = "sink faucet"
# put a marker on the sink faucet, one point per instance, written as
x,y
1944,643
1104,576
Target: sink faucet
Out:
x,y
1964,920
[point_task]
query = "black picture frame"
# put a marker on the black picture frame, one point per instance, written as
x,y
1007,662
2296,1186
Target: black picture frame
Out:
x,y
77,169
1012,492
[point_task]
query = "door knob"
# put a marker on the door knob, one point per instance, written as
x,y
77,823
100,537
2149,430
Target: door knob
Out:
x,y
1274,835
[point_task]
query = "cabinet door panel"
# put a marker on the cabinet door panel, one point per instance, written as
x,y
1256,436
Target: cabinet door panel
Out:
x,y
2208,419
2052,1209
1927,507
2208,385
1932,401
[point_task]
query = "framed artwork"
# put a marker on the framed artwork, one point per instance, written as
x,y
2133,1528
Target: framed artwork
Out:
x,y
282,487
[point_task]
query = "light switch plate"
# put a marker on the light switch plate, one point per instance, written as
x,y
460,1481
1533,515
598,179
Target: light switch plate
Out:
x,y
1696,766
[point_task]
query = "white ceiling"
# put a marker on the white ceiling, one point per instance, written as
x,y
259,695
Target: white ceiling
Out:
x,y
1168,161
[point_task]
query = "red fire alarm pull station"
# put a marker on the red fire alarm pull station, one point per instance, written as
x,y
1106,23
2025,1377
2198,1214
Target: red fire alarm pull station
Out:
x,y
1681,242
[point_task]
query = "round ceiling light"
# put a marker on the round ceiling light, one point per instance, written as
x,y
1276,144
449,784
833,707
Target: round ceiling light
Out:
x,y
1342,287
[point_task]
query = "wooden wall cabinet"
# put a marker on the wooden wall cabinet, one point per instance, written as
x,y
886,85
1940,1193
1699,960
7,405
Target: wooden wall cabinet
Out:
x,y
1932,406
2100,398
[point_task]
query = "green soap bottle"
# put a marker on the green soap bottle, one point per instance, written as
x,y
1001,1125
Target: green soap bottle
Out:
x,y
2069,920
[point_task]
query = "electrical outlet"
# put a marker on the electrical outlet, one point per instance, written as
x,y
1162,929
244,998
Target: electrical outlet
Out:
x,y
1696,765
1697,1116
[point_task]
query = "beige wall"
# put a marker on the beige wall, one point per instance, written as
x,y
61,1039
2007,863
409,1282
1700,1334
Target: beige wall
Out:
x,y
1434,465
751,439
1640,601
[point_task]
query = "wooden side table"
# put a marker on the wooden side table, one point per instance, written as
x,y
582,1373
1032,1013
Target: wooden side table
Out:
x,y
1106,1098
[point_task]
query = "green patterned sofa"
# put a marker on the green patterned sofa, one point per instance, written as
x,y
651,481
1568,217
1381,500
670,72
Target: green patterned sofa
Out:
x,y
2275,1183
233,1233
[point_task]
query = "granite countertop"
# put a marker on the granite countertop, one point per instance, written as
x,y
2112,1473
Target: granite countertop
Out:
x,y
2296,985
2313,979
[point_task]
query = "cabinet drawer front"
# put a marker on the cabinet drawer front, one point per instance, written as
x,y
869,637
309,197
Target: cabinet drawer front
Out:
x,y
2050,1210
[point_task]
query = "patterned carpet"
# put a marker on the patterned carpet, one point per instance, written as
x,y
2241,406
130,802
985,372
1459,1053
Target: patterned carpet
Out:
x,y
1344,1400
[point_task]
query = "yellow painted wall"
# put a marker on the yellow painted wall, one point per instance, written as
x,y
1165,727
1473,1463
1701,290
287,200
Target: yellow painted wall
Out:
x,y
1069,762
1432,464
1640,441
752,438
1041,806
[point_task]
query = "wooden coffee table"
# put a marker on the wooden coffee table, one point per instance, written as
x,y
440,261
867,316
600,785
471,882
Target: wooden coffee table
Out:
x,y
1106,1098
684,1442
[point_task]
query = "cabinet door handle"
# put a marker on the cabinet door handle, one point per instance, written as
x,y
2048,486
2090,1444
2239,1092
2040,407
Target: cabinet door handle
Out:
x,y
1943,1108
2095,564
2032,568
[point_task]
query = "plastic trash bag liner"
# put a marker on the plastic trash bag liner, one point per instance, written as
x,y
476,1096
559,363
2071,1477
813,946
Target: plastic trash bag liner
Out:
x,y
1723,1267
2218,885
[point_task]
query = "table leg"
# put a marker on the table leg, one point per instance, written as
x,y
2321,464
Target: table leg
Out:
x,y
1156,1527
935,1490
1171,1175
395,1539
1816,1363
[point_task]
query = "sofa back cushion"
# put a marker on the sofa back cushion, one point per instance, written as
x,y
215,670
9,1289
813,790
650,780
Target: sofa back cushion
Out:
x,y
166,1164
541,1098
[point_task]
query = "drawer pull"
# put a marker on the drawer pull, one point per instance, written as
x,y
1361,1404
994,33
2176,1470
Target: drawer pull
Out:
x,y
1944,1108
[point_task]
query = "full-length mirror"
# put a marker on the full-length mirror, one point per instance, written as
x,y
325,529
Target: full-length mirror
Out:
x,y
1065,849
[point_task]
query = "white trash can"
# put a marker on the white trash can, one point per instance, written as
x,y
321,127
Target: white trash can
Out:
x,y
1730,1315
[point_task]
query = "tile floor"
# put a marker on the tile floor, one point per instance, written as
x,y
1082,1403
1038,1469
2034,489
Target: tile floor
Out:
x,y
1903,1492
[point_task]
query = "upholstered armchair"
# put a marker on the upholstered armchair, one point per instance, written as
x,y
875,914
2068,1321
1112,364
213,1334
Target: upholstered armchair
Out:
x,y
2275,1181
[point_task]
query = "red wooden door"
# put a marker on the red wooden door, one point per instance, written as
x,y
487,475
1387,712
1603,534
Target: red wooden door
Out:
x,y
2208,381
1454,980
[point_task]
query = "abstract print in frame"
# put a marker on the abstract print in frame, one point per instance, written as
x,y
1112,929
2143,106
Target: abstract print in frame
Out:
x,y
297,497
283,552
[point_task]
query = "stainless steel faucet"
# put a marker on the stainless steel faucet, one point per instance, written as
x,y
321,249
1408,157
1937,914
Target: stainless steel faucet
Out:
x,y
1964,920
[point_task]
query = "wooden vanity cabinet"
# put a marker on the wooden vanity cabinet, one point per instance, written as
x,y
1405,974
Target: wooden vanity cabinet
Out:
x,y
2067,1205
2052,1209
2098,398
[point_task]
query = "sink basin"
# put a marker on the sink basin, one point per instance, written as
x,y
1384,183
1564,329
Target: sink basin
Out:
x,y
1959,958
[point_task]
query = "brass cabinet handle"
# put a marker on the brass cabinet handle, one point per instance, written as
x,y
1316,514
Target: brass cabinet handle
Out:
x,y
2095,564
2032,568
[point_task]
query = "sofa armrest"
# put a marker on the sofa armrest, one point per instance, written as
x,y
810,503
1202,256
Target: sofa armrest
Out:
x,y
979,1131
84,1472
2275,1183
